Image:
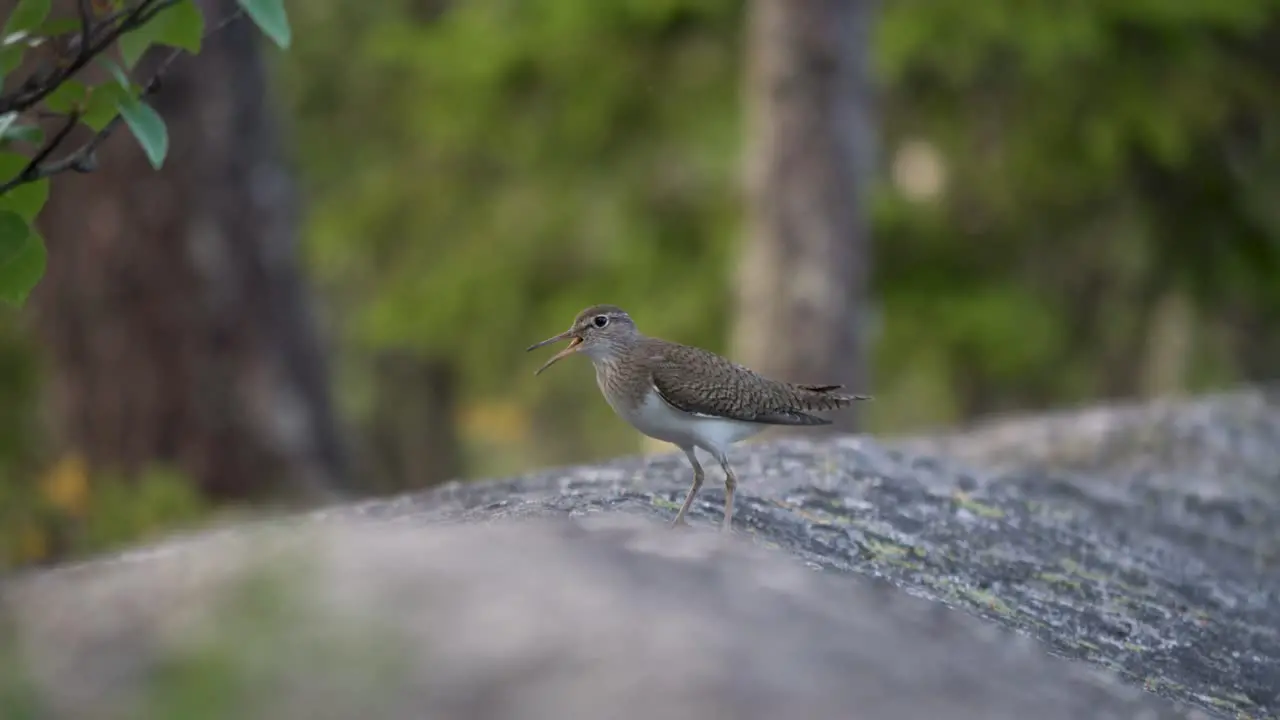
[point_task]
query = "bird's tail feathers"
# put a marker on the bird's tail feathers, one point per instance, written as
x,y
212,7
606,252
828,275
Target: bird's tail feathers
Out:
x,y
825,397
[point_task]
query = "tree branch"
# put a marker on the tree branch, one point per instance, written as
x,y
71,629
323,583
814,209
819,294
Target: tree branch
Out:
x,y
33,169
83,158
85,9
33,92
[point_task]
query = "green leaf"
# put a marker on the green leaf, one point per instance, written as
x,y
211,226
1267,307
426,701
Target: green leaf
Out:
x,y
59,26
180,26
13,236
10,58
68,96
27,199
104,103
271,18
11,131
27,16
148,127
22,263
117,72
135,44
26,133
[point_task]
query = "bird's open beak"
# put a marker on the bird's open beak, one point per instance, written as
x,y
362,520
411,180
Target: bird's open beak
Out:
x,y
574,342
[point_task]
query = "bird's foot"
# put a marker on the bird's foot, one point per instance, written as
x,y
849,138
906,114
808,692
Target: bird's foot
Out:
x,y
678,522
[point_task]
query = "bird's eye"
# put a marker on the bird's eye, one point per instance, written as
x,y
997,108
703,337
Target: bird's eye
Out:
x,y
601,320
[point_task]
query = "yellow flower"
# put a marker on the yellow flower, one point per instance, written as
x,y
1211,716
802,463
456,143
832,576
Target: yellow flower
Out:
x,y
66,485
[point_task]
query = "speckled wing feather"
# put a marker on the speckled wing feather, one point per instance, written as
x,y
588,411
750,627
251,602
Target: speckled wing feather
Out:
x,y
701,382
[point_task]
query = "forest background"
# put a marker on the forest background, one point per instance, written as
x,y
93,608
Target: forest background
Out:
x,y
962,208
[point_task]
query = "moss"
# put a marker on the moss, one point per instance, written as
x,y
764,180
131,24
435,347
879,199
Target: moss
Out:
x,y
659,501
987,600
977,508
1059,579
884,550
1079,570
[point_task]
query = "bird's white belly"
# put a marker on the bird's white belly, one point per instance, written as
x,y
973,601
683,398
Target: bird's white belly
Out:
x,y
659,420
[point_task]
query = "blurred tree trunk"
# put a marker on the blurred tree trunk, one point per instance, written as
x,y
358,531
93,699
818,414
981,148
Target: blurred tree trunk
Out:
x,y
412,437
174,317
802,285
1247,327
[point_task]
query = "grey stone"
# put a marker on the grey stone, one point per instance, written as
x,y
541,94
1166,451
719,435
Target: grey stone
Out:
x,y
867,580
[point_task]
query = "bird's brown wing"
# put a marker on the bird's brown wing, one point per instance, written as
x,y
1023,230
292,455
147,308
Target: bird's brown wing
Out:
x,y
701,382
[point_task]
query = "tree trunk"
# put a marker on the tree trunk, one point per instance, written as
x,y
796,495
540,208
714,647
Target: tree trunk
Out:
x,y
412,438
802,286
174,317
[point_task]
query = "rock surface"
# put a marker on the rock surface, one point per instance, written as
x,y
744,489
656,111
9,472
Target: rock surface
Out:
x,y
1158,570
1225,445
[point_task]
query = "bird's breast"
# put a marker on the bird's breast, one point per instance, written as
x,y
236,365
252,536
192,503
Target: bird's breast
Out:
x,y
654,417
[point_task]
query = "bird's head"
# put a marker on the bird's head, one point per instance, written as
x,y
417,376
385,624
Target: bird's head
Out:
x,y
599,332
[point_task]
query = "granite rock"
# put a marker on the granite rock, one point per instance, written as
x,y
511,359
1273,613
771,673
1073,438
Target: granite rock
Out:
x,y
910,578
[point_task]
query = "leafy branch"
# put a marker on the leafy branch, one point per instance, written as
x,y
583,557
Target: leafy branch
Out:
x,y
52,91
93,39
83,158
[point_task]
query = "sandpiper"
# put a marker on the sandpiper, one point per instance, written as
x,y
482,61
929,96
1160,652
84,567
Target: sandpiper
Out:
x,y
687,396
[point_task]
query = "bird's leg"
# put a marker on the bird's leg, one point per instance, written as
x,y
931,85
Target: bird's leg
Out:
x,y
693,490
730,485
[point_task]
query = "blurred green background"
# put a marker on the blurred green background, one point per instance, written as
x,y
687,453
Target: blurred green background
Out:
x,y
1073,202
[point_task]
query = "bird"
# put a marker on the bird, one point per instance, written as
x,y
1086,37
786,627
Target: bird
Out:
x,y
687,396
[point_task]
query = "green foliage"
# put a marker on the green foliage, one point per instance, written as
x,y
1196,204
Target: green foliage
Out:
x,y
22,257
6,122
70,510
148,127
524,160
19,379
271,18
181,26
24,200
13,235
478,171
54,510
503,164
126,509
1100,156
27,16
135,27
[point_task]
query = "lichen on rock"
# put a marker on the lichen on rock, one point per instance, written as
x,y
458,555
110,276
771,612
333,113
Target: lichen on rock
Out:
x,y
922,577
